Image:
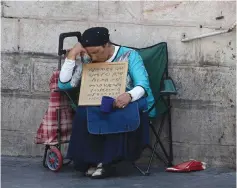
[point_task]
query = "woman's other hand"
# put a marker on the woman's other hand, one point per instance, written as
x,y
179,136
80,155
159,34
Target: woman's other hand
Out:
x,y
122,100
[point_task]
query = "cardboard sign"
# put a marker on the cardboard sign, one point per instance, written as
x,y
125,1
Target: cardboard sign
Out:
x,y
102,79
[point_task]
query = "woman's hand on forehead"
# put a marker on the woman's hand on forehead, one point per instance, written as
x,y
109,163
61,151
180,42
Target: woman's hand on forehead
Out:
x,y
76,50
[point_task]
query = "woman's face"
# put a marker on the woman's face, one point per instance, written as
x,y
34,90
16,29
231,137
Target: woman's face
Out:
x,y
98,53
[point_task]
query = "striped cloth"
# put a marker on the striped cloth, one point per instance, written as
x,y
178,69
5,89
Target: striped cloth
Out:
x,y
47,132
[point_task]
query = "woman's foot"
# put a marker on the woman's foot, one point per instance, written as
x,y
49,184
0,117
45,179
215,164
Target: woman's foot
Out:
x,y
90,171
102,171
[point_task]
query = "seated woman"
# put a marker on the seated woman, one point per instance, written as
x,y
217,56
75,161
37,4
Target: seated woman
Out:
x,y
94,154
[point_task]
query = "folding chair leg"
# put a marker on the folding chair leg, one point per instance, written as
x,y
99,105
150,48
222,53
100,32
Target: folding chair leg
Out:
x,y
147,172
168,158
152,156
159,156
158,139
144,173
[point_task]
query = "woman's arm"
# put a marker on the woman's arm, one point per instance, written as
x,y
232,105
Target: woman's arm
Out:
x,y
136,93
140,80
70,74
67,70
139,76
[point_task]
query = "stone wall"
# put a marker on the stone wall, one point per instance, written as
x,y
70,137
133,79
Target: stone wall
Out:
x,y
203,112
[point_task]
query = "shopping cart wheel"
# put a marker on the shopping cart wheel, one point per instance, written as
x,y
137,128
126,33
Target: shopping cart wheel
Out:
x,y
54,159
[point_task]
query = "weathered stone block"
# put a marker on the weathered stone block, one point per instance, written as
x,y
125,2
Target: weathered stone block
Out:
x,y
205,84
22,114
9,34
60,10
178,52
16,72
213,155
189,13
218,50
18,143
120,11
42,36
203,125
43,70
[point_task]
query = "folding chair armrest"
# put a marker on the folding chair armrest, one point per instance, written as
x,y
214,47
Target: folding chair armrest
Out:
x,y
169,87
67,93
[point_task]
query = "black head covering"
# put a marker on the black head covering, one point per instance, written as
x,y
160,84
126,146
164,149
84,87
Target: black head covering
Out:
x,y
95,36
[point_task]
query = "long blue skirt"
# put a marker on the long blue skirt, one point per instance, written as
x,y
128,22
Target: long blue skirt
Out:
x,y
86,149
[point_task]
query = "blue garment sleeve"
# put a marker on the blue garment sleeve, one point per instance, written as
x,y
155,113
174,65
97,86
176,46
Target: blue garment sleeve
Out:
x,y
140,77
138,71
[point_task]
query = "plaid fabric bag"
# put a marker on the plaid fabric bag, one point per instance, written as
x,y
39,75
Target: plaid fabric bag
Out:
x,y
47,132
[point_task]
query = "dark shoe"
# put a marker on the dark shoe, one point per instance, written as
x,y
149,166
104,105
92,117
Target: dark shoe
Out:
x,y
102,171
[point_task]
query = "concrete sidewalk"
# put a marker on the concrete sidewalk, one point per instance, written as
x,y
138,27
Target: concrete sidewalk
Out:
x,y
29,173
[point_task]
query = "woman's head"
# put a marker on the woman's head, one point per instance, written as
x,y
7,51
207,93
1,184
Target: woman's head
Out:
x,y
97,44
